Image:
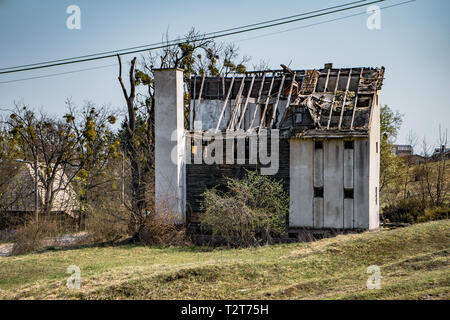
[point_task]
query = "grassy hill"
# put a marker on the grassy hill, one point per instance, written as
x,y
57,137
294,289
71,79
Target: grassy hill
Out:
x,y
414,263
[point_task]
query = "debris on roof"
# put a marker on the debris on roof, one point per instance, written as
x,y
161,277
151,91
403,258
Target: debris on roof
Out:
x,y
294,101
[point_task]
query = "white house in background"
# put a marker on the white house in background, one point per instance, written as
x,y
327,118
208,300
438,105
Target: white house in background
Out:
x,y
20,194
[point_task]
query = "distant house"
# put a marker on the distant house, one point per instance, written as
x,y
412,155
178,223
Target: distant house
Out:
x,y
18,195
402,150
406,152
441,153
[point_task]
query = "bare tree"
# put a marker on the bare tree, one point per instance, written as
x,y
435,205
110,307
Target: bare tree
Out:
x,y
195,55
434,185
408,165
139,172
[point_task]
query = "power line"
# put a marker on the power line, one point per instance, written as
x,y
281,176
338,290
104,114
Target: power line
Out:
x,y
183,39
322,22
58,74
179,42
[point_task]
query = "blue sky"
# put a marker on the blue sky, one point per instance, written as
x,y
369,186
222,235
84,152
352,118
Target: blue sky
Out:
x,y
413,44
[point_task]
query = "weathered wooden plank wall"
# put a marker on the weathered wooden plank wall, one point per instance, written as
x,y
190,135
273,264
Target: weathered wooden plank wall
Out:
x,y
200,177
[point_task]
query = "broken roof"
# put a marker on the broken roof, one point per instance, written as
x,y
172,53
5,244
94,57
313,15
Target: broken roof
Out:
x,y
323,101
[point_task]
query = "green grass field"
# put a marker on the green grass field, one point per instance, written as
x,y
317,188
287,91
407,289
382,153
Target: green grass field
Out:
x,y
414,263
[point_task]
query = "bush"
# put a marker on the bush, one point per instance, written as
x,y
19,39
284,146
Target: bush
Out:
x,y
412,210
30,236
438,213
161,230
106,224
252,211
405,210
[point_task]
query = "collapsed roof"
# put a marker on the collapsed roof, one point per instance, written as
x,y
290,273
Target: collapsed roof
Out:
x,y
298,102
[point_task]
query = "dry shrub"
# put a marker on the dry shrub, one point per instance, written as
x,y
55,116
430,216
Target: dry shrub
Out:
x,y
162,229
412,210
432,214
251,212
31,236
107,224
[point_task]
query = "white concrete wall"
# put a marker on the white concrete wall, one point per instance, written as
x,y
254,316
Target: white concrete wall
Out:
x,y
333,168
333,184
301,183
374,172
361,184
170,178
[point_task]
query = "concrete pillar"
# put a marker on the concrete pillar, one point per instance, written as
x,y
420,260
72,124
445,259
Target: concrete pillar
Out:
x,y
301,183
170,190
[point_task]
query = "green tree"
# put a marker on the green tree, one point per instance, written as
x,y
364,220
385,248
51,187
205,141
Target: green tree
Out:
x,y
390,165
97,148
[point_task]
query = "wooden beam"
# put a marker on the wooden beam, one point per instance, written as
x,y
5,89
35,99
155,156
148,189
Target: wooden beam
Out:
x,y
267,103
246,102
334,97
326,81
274,111
258,101
225,104
236,105
289,98
356,100
344,100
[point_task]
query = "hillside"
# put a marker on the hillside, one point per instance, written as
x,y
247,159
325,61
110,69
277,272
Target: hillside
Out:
x,y
414,263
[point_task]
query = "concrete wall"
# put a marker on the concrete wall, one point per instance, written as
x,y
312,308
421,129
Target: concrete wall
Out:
x,y
333,168
374,172
301,183
361,184
169,143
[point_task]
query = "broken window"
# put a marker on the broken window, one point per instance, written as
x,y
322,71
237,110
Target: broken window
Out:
x,y
349,144
318,192
348,193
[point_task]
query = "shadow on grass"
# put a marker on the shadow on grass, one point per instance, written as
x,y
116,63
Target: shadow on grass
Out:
x,y
128,244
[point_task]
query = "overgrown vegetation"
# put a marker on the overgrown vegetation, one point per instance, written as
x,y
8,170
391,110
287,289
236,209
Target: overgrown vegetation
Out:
x,y
409,191
250,212
35,234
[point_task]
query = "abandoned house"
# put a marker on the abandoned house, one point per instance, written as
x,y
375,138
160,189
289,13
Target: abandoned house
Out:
x,y
317,131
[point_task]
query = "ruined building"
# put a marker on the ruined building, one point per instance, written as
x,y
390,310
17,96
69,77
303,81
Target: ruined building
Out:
x,y
317,131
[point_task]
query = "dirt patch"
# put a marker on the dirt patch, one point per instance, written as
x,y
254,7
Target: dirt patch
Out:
x,y
62,241
6,249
